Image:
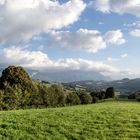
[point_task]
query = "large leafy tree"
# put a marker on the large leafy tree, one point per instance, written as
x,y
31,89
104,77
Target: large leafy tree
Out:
x,y
110,93
17,76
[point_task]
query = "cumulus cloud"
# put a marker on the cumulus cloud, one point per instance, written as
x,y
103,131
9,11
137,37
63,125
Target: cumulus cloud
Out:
x,y
20,20
38,60
135,33
114,37
87,40
118,6
83,39
134,28
133,25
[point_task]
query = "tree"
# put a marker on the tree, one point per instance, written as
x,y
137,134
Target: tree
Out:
x,y
18,87
72,99
56,95
85,98
98,94
17,76
110,93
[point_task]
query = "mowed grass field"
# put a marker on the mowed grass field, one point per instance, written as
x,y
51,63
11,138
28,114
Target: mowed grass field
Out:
x,y
114,120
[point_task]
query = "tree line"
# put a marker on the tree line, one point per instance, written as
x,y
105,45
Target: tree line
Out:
x,y
18,90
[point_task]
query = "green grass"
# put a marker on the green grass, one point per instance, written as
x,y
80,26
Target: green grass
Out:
x,y
113,120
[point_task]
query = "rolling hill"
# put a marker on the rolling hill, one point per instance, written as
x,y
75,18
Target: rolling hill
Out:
x,y
114,120
124,86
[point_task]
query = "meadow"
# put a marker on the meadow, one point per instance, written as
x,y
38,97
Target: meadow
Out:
x,y
112,120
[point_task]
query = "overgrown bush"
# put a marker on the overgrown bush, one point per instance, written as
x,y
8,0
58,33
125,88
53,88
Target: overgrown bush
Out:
x,y
56,95
98,94
135,96
85,98
72,99
110,93
17,76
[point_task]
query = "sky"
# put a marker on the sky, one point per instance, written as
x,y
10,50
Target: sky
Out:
x,y
59,35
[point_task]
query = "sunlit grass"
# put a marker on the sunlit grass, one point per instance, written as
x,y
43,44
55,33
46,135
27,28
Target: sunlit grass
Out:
x,y
114,120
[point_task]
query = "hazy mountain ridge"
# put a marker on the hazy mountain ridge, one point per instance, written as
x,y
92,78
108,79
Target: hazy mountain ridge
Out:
x,y
125,86
87,79
70,76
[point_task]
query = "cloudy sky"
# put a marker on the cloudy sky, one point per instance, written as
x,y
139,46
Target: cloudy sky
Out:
x,y
92,35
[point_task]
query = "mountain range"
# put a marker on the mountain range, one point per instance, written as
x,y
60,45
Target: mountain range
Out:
x,y
70,76
125,86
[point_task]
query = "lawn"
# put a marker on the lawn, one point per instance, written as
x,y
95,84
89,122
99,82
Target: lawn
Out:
x,y
113,120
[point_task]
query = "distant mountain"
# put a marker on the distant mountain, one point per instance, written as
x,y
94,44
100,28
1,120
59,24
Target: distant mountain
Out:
x,y
125,86
70,76
65,76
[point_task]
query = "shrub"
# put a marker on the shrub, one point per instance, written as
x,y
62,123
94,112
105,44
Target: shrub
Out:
x,y
85,98
98,94
17,76
72,99
110,93
10,98
135,95
138,99
56,95
95,99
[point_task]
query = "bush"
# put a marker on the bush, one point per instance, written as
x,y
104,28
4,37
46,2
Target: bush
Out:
x,y
98,94
10,98
138,99
110,93
85,98
95,99
135,95
72,99
17,76
132,96
56,95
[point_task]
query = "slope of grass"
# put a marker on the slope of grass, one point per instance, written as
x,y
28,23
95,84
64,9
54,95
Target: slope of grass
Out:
x,y
103,121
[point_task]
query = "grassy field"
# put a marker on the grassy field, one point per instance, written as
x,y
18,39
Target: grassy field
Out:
x,y
114,120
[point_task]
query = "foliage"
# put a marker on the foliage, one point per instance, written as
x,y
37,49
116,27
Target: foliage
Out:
x,y
85,98
18,90
135,96
110,93
72,99
17,76
56,95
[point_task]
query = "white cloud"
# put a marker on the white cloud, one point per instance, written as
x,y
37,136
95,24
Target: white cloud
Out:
x,y
38,60
87,40
20,20
83,39
134,28
114,37
134,24
124,55
21,56
118,6
135,33
110,59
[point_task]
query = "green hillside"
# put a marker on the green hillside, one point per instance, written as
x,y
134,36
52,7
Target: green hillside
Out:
x,y
115,120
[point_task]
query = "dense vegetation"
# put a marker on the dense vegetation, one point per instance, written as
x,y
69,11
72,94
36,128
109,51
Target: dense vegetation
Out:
x,y
18,90
106,120
103,121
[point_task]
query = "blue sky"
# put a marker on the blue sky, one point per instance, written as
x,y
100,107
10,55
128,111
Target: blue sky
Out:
x,y
94,35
